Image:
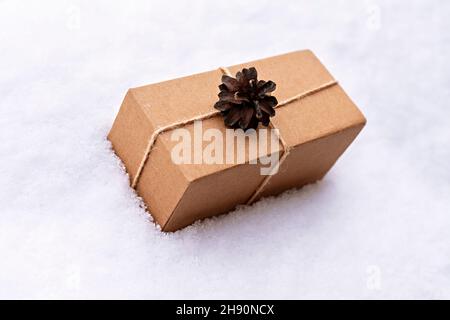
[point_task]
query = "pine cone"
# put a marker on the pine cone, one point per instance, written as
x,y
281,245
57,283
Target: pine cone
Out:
x,y
244,101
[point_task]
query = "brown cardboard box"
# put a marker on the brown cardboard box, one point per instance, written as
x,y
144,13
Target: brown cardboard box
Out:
x,y
318,128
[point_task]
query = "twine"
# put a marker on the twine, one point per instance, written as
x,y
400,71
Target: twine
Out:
x,y
211,114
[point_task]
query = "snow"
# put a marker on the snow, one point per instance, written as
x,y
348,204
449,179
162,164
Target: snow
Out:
x,y
377,226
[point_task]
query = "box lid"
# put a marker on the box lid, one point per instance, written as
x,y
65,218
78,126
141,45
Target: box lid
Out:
x,y
310,118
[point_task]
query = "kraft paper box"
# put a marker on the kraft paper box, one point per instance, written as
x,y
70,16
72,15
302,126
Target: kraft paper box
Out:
x,y
317,128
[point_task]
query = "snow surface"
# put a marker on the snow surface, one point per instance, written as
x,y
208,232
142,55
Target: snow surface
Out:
x,y
378,226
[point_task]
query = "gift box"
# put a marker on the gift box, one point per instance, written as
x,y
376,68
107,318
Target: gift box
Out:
x,y
315,122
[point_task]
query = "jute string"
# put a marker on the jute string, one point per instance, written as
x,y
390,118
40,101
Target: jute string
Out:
x,y
286,148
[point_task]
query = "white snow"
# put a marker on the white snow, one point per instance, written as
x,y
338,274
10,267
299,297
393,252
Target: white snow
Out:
x,y
378,226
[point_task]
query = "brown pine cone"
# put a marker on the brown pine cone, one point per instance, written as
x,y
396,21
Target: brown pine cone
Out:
x,y
244,101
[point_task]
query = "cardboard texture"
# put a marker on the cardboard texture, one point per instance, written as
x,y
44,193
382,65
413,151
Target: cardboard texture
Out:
x,y
318,127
